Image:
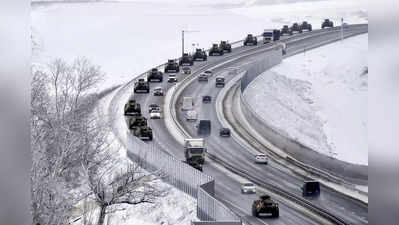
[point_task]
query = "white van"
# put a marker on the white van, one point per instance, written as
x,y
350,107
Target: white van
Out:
x,y
188,103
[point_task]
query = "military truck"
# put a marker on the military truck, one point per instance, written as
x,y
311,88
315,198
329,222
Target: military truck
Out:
x,y
204,127
219,82
250,40
306,26
296,28
286,30
311,188
265,205
226,47
132,108
199,55
186,60
136,122
141,86
194,151
155,76
215,50
327,23
172,67
143,132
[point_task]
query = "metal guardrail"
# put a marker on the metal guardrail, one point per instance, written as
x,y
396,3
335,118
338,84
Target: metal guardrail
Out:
x,y
183,84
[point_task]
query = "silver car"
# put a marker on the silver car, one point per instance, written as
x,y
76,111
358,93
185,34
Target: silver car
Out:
x,y
261,158
248,188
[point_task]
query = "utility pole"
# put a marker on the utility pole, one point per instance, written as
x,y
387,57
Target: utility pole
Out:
x,y
342,29
182,39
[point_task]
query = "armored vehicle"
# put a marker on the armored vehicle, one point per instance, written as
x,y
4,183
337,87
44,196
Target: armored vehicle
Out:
x,y
204,127
327,23
296,28
215,50
194,150
286,30
199,55
155,76
141,86
250,40
144,133
186,60
172,67
224,132
306,26
311,188
136,122
132,108
219,82
265,205
225,46
206,99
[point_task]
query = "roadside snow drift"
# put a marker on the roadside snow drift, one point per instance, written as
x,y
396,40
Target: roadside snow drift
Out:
x,y
319,98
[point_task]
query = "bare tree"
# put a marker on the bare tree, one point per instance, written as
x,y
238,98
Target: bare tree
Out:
x,y
132,186
63,135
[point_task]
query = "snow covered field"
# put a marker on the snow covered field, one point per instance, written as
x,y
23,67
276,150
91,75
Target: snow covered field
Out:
x,y
320,98
128,38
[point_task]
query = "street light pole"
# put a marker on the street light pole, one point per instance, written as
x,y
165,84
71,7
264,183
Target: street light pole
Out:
x,y
182,39
342,29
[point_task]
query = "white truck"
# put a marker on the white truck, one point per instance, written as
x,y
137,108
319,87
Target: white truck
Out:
x,y
267,36
194,150
191,115
188,103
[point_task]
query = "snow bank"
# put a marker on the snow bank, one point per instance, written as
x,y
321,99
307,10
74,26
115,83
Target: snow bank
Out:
x,y
127,38
319,98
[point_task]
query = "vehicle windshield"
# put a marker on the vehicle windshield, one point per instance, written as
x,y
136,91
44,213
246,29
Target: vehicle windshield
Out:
x,y
261,156
248,185
196,150
208,71
267,34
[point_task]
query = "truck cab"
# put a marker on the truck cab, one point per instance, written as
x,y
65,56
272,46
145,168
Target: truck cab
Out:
x,y
195,149
311,188
267,36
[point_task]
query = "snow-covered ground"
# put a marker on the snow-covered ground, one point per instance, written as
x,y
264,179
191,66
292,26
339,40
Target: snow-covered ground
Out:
x,y
319,98
130,37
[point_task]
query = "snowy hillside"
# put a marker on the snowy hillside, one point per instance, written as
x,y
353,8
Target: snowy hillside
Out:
x,y
320,99
128,38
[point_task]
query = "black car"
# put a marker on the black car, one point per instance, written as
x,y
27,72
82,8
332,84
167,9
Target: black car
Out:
x,y
311,188
224,132
206,99
219,82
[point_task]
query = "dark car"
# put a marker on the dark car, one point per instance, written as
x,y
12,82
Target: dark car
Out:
x,y
219,82
204,127
206,99
186,70
311,188
224,132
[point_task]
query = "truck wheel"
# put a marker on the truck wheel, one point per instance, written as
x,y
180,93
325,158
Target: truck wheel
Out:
x,y
276,213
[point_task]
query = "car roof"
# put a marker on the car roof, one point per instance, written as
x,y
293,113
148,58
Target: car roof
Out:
x,y
261,154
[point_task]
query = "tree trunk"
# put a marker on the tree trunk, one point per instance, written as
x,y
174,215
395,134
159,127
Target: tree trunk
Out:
x,y
102,215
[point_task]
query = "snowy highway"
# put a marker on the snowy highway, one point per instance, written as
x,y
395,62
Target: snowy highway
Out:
x,y
227,149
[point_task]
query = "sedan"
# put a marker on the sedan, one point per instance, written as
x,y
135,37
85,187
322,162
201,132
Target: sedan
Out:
x,y
261,158
206,99
248,188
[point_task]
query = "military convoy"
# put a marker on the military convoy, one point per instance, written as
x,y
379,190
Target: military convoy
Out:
x,y
226,47
296,28
200,54
286,30
250,40
136,121
172,67
194,152
216,50
155,76
141,86
327,23
143,132
265,205
132,108
186,60
306,26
